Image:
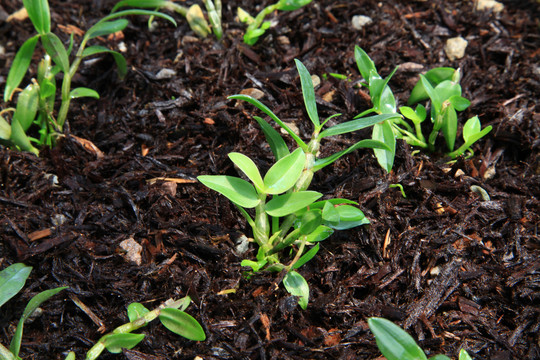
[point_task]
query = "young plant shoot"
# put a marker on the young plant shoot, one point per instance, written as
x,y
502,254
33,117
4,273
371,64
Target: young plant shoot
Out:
x,y
286,213
35,103
441,87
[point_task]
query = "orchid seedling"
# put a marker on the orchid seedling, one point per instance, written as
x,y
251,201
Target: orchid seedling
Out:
x,y
286,213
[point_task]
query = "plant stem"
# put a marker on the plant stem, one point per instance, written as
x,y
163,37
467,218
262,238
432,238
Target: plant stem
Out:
x,y
260,17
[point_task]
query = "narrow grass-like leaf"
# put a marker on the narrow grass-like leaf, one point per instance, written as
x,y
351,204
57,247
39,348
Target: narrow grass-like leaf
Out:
x,y
291,5
39,13
32,305
383,132
285,172
182,324
306,257
273,116
296,285
12,280
138,12
214,16
430,91
277,144
368,143
355,125
136,310
56,50
393,342
149,4
320,234
20,65
118,58
309,93
83,92
286,204
366,66
106,27
449,128
116,342
248,167
235,189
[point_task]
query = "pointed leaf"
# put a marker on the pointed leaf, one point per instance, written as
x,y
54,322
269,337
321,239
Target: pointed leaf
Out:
x,y
5,132
248,167
138,12
296,285
118,58
463,355
449,128
285,173
291,5
309,93
355,125
410,114
136,311
197,22
150,4
20,139
286,204
56,50
435,77
330,214
277,144
471,127
430,91
349,217
310,221
235,189
393,342
182,324
106,28
447,89
459,103
12,280
320,234
27,106
364,63
20,65
116,342
39,13
371,144
383,132
83,92
306,257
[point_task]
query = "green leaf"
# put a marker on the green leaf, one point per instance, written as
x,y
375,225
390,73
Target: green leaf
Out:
x,y
5,130
39,14
286,204
105,28
248,167
244,16
366,66
254,265
447,89
47,89
83,92
20,65
116,342
349,217
439,357
138,12
459,103
56,50
310,221
435,77
197,22
5,354
12,280
296,285
27,106
330,214
477,136
291,5
285,172
355,125
371,144
383,132
151,4
235,189
182,324
321,233
277,144
471,128
309,93
118,58
449,128
410,114
430,91
463,355
273,116
136,310
306,257
252,35
32,305
393,342
20,139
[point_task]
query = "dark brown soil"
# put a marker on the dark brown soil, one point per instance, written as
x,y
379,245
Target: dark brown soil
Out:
x,y
456,271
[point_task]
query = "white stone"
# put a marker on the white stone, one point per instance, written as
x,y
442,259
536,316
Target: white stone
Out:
x,y
492,5
165,74
132,251
455,48
315,80
359,21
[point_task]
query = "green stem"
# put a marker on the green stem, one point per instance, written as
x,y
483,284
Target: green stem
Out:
x,y
298,253
260,17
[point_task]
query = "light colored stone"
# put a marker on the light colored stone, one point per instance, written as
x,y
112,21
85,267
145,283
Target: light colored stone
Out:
x,y
359,21
165,74
492,5
253,92
132,251
315,80
455,48
291,126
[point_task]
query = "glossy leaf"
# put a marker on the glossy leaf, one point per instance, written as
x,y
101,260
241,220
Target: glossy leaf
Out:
x,y
446,90
27,106
39,13
471,128
449,128
310,221
123,13
306,257
291,5
364,63
56,50
277,144
248,167
330,214
5,131
273,116
235,189
439,357
393,342
106,28
116,342
32,305
477,136
414,116
286,204
136,311
12,280
355,125
47,89
368,143
383,132
19,67
285,173
435,77
349,217
5,354
459,103
118,58
83,92
463,355
321,233
182,324
309,93
254,265
20,139
296,285
244,16
150,4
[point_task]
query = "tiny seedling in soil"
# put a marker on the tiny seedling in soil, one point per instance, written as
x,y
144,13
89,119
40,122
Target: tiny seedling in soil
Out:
x,y
287,214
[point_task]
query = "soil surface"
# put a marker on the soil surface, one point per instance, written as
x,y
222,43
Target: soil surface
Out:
x,y
454,269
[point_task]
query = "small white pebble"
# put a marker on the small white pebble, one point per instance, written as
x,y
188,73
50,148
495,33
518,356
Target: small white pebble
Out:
x,y
132,251
165,74
359,21
492,5
455,48
315,80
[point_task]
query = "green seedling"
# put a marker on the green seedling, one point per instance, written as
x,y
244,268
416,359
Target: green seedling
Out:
x,y
257,26
395,344
193,14
35,104
286,213
441,87
12,280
